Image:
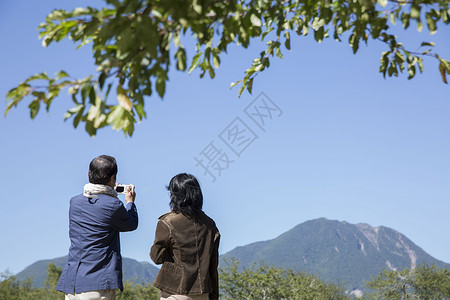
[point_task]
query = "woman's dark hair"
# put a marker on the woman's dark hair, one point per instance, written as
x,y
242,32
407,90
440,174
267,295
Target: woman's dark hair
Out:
x,y
185,194
101,169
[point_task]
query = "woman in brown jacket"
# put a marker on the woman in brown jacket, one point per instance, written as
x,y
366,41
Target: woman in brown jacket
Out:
x,y
186,244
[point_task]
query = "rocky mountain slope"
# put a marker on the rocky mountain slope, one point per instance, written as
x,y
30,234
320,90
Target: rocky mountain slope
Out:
x,y
336,251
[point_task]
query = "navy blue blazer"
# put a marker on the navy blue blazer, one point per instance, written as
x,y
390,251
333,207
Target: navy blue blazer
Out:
x,y
94,261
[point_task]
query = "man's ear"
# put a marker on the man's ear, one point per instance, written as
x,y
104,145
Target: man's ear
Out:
x,y
112,182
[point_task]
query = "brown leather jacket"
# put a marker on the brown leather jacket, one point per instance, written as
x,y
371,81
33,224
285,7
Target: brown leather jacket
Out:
x,y
188,249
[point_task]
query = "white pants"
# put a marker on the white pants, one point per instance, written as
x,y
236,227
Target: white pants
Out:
x,y
93,295
165,296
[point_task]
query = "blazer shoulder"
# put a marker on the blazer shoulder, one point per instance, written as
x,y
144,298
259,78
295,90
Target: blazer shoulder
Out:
x,y
79,196
208,219
77,200
164,216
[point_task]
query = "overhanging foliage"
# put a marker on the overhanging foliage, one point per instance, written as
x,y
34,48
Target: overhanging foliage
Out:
x,y
135,41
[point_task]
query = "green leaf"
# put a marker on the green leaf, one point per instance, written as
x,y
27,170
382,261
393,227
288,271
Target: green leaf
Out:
x,y
415,12
123,99
156,13
278,52
197,8
101,80
61,74
92,95
85,90
382,2
115,117
354,42
241,90
140,110
40,76
73,90
287,42
161,86
419,26
108,90
405,17
211,72
392,18
250,85
79,11
233,84
34,108
420,64
90,129
443,72
77,119
39,95
431,23
73,111
400,58
445,15
195,62
431,44
318,34
216,60
100,121
256,21
181,59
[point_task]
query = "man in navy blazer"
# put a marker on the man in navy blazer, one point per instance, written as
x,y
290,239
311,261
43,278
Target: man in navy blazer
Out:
x,y
94,266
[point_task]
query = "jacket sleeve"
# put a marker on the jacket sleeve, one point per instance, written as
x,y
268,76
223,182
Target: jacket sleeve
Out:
x,y
160,251
125,219
213,265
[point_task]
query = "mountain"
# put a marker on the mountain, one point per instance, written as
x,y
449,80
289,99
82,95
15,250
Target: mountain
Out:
x,y
336,251
139,272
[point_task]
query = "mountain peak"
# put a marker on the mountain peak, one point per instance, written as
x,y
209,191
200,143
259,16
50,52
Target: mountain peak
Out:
x,y
371,233
336,251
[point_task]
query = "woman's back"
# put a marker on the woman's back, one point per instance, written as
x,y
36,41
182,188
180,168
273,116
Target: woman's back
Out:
x,y
186,243
187,247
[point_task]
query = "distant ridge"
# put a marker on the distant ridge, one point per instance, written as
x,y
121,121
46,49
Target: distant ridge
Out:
x,y
336,251
139,272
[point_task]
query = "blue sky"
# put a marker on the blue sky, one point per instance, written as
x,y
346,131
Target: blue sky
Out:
x,y
345,144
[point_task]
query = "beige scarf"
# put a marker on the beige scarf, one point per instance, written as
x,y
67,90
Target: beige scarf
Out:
x,y
91,190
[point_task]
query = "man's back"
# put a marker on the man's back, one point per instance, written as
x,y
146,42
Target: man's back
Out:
x,y
95,261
